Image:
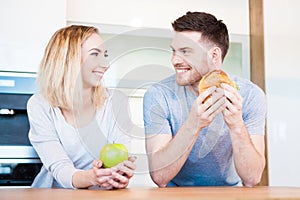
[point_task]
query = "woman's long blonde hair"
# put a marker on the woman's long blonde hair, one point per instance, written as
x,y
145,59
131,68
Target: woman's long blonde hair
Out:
x,y
59,76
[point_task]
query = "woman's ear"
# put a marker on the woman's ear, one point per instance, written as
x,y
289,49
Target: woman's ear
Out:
x,y
215,56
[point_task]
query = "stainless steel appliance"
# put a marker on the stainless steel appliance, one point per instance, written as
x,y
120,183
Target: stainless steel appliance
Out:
x,y
19,163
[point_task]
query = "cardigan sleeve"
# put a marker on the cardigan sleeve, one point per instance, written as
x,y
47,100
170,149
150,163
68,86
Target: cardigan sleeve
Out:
x,y
44,138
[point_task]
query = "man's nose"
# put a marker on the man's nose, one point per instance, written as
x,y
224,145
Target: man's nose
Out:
x,y
176,59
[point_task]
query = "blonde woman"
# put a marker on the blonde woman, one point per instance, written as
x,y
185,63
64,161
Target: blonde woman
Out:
x,y
73,116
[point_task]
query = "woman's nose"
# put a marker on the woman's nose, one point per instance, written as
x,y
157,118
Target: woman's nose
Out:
x,y
103,62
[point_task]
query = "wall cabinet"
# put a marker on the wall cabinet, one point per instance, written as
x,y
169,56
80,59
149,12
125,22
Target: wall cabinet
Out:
x,y
26,27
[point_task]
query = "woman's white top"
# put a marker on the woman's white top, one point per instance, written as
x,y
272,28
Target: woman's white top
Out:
x,y
64,149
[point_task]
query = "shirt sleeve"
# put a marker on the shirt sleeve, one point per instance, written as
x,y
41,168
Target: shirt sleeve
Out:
x,y
155,112
255,111
44,139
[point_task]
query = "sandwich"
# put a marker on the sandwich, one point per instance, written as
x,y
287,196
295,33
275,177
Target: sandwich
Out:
x,y
215,78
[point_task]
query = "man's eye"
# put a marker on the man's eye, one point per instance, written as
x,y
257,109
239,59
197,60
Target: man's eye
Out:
x,y
173,51
185,51
106,55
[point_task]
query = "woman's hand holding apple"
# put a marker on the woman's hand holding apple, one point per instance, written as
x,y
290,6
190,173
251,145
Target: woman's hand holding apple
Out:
x,y
122,173
114,177
101,176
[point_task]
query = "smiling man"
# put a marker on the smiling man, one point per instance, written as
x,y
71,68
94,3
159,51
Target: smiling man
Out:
x,y
192,142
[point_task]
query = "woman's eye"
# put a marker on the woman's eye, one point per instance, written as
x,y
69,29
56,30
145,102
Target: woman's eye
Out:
x,y
95,54
105,55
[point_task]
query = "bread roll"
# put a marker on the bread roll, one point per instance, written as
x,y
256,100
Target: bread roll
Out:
x,y
215,78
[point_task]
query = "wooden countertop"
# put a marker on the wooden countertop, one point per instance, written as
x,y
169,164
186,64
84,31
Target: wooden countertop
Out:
x,y
153,193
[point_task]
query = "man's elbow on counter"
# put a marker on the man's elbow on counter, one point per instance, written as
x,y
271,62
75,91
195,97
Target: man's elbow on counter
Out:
x,y
158,179
255,178
251,182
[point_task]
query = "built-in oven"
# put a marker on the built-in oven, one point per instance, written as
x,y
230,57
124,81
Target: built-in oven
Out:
x,y
19,163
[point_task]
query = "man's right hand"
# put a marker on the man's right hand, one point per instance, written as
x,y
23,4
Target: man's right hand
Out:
x,y
203,112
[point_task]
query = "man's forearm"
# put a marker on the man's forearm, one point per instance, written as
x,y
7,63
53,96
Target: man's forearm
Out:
x,y
249,161
167,161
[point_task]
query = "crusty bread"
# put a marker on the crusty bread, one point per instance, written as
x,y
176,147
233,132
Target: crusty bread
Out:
x,y
214,78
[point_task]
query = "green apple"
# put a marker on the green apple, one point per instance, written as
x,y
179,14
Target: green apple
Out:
x,y
113,154
236,86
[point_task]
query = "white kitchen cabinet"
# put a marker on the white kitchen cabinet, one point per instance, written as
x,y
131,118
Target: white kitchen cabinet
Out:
x,y
26,27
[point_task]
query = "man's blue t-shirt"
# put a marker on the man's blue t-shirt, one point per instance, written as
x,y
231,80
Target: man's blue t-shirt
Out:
x,y
210,163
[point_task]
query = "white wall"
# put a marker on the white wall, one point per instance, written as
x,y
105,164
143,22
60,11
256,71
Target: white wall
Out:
x,y
282,47
26,27
158,14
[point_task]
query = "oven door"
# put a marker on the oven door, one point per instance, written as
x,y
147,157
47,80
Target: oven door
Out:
x,y
18,172
19,163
